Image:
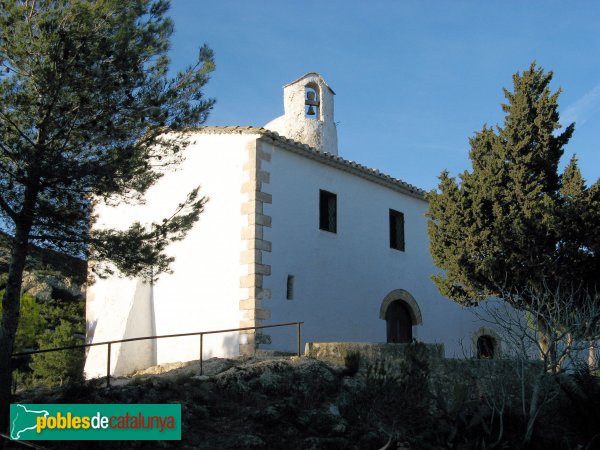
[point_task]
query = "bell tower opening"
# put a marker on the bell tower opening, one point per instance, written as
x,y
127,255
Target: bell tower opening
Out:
x,y
312,104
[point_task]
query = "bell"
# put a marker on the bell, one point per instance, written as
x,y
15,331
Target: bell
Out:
x,y
311,101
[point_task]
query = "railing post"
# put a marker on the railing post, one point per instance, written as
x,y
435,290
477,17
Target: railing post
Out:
x,y
298,338
201,343
108,367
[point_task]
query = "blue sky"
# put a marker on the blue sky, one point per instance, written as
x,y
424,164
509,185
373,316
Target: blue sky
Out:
x,y
414,79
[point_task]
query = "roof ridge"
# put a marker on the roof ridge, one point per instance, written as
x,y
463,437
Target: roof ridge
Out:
x,y
308,74
369,172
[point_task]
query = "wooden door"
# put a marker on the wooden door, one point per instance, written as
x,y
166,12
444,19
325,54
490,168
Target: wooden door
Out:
x,y
399,323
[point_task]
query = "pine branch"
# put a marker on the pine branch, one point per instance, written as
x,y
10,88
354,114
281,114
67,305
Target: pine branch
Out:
x,y
7,209
17,129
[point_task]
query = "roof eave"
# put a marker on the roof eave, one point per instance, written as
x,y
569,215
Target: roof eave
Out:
x,y
373,175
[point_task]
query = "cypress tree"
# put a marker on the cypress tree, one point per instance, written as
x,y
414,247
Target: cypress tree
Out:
x,y
513,225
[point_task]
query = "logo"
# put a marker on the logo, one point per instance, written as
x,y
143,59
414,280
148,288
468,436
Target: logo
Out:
x,y
95,422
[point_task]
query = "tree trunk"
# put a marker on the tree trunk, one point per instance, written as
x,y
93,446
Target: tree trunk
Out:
x,y
10,320
547,346
11,302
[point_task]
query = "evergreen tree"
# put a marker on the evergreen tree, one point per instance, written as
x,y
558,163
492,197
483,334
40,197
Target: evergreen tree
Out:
x,y
88,112
61,366
512,224
31,322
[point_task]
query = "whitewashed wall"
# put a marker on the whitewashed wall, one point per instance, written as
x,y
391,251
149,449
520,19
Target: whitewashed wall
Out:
x,y
126,310
341,279
203,291
318,131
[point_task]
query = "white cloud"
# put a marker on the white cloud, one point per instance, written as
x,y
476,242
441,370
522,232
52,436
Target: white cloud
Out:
x,y
580,110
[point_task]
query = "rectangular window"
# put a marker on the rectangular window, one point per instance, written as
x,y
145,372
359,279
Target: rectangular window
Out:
x,y
289,295
327,211
396,230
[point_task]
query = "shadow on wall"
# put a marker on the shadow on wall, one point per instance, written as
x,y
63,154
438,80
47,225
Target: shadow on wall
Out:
x,y
187,348
131,356
229,346
90,329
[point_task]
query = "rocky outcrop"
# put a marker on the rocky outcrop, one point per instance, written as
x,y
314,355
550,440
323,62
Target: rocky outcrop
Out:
x,y
304,403
46,262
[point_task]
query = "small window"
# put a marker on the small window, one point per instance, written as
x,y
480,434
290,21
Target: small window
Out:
x,y
485,347
396,230
327,211
289,295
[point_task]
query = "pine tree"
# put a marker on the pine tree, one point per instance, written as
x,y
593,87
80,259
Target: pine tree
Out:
x,y
88,112
512,224
61,366
31,322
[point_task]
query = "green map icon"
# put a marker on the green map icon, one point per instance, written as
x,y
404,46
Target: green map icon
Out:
x,y
23,419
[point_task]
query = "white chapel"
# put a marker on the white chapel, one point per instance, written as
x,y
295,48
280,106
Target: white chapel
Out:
x,y
292,232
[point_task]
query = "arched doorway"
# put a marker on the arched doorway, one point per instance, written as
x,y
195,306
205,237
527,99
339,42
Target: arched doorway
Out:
x,y
398,322
401,312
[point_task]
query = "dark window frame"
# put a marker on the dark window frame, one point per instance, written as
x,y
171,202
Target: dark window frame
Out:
x,y
289,293
396,231
327,211
486,347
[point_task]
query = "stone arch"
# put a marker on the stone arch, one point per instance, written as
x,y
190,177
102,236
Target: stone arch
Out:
x,y
488,334
408,300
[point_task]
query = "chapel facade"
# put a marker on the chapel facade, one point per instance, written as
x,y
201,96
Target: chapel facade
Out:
x,y
292,232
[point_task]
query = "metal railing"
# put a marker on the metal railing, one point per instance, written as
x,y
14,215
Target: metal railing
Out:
x,y
197,333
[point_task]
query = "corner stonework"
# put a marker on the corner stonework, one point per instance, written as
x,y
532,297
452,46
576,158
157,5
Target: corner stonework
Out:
x,y
251,305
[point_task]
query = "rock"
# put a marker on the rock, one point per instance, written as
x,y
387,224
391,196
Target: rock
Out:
x,y
198,411
248,441
277,376
201,378
164,368
42,286
317,443
334,410
340,428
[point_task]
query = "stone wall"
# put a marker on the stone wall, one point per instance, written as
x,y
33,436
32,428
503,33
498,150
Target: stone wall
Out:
x,y
393,354
453,381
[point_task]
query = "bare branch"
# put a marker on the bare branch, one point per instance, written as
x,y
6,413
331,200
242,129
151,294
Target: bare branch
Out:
x,y
17,129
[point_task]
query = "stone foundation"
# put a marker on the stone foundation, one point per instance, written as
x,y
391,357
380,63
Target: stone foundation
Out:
x,y
455,380
393,354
